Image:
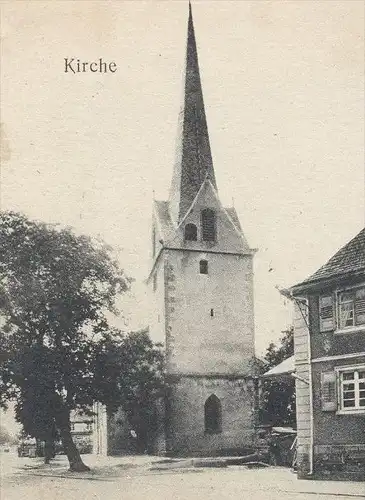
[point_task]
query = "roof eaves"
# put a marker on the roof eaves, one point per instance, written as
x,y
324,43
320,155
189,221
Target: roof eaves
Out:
x,y
312,285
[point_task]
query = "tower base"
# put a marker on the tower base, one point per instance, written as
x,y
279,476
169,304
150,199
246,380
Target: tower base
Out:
x,y
210,415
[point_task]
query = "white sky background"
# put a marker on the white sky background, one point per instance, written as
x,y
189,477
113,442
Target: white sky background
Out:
x,y
283,84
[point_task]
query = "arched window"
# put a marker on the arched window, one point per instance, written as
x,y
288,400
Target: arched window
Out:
x,y
208,225
213,415
191,232
203,267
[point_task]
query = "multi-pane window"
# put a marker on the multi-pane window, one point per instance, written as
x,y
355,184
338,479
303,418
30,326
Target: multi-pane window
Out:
x,y
351,308
353,389
347,305
208,225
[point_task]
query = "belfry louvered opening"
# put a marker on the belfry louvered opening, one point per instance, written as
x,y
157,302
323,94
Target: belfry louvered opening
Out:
x,y
208,225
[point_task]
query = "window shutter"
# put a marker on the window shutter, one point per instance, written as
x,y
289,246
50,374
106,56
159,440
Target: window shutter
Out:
x,y
326,313
328,391
360,306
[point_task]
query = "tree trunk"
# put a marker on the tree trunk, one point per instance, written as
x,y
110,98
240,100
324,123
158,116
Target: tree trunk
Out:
x,y
39,451
48,450
73,454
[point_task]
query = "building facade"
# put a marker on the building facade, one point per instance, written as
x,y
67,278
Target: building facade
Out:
x,y
202,284
90,432
330,366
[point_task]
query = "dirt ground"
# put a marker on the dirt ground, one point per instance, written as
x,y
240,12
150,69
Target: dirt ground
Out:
x,y
145,478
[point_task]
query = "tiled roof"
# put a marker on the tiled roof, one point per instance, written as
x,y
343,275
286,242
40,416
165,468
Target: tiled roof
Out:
x,y
193,154
167,226
231,211
348,260
165,223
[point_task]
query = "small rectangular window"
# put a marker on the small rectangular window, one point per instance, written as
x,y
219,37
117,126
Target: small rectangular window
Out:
x,y
211,313
203,267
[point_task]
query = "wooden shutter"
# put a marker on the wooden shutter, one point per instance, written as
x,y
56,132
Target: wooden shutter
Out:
x,y
360,306
328,391
326,320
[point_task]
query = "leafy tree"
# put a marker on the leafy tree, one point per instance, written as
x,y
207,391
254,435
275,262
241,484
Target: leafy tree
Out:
x,y
55,291
132,378
34,409
275,354
278,395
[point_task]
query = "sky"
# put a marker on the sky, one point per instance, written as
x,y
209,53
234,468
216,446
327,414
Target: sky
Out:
x,y
283,85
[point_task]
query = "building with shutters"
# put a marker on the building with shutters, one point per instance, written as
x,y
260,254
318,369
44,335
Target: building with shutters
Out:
x,y
202,285
329,344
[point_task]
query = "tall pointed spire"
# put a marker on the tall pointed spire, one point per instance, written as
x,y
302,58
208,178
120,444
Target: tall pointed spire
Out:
x,y
193,162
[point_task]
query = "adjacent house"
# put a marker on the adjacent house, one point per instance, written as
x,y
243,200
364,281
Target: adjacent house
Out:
x,y
330,366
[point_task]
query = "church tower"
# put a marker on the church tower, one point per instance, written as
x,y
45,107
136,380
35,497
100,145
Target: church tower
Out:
x,y
202,282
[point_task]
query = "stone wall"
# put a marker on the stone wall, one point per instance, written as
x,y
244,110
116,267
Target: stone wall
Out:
x,y
185,416
209,318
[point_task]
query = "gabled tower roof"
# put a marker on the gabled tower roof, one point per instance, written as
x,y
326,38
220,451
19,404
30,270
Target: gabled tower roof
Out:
x,y
193,162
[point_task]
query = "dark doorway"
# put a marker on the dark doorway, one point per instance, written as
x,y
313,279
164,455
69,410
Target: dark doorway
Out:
x,y
213,415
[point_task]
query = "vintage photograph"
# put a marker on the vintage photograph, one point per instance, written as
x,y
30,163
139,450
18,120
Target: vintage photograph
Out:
x,y
182,249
